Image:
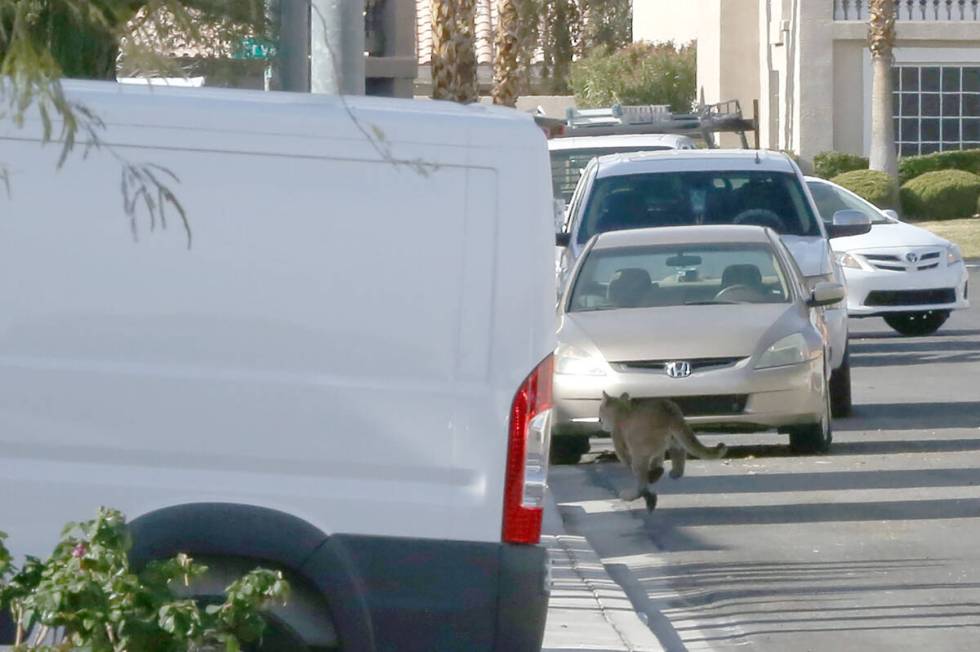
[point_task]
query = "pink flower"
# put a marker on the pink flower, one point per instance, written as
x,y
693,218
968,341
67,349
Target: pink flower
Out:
x,y
79,551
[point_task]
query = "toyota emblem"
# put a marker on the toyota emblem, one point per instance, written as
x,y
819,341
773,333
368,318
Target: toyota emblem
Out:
x,y
912,257
678,369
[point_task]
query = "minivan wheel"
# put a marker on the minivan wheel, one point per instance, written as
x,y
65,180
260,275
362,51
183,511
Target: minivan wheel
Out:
x,y
917,323
813,437
840,388
568,449
303,624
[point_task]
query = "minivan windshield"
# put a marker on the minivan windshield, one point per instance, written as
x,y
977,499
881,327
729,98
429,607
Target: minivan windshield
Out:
x,y
678,275
761,198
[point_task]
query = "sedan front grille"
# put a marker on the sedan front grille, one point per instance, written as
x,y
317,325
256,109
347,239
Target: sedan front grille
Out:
x,y
711,406
910,297
697,364
896,263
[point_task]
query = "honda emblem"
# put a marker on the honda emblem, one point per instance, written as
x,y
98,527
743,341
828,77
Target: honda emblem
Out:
x,y
678,369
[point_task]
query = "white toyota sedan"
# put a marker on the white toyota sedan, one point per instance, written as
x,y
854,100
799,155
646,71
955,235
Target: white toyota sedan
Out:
x,y
903,273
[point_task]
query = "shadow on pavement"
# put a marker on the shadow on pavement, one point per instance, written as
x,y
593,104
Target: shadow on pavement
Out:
x,y
894,510
829,481
900,446
892,335
725,599
894,352
912,416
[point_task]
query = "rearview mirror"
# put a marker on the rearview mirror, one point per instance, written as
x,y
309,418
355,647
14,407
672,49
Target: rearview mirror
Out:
x,y
563,239
847,223
892,214
683,261
826,294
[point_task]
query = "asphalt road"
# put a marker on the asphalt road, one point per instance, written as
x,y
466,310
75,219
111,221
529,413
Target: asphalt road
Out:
x,y
875,546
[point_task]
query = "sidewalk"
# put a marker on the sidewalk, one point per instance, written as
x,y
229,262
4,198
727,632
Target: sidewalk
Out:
x,y
588,610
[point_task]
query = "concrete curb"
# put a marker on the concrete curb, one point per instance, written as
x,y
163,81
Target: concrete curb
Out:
x,y
588,609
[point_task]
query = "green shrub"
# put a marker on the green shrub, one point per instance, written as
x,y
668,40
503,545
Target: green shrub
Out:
x,y
828,165
87,597
872,185
942,195
911,167
641,73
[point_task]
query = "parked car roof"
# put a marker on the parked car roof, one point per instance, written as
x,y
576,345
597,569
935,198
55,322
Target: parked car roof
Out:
x,y
673,235
680,160
673,141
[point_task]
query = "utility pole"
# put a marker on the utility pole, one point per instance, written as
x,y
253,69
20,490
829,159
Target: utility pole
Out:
x,y
337,47
294,45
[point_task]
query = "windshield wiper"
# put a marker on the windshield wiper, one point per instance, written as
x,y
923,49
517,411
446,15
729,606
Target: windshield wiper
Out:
x,y
711,303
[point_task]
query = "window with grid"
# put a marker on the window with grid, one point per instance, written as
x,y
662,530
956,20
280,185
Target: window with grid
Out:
x,y
936,108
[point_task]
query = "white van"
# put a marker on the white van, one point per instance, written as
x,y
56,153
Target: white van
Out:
x,y
345,373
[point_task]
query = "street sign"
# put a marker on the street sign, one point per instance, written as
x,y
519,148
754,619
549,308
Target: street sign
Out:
x,y
254,48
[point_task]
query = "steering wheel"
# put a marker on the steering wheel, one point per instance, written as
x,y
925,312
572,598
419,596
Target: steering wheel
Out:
x,y
759,217
740,293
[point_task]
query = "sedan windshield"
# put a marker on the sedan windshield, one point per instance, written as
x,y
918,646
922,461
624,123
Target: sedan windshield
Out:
x,y
659,276
772,199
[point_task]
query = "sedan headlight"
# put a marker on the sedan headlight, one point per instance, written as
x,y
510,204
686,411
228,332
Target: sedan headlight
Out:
x,y
573,361
791,349
847,260
953,254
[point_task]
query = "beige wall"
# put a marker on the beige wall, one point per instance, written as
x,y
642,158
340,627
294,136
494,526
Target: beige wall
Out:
x,y
849,97
668,20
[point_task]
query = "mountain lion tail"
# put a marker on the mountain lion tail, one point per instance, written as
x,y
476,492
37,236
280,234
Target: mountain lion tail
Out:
x,y
686,438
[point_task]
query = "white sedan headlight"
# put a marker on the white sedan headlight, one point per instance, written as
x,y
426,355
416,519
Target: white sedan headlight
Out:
x,y
847,260
953,254
791,349
573,361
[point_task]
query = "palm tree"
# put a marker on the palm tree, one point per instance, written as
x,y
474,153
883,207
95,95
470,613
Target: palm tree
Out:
x,y
454,50
881,41
506,61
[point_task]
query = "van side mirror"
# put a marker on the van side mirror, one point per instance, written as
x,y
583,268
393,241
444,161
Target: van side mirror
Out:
x,y
847,223
563,239
826,294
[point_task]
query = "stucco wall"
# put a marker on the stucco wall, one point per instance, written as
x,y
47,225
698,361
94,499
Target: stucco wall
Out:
x,y
848,106
668,20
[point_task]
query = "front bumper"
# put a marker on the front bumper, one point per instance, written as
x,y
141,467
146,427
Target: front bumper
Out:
x,y
880,292
758,399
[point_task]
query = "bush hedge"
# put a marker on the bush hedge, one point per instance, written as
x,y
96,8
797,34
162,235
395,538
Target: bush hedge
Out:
x,y
941,195
911,167
828,165
872,185
641,73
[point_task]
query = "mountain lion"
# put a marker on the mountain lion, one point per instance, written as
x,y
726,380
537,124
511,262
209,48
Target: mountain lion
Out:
x,y
642,432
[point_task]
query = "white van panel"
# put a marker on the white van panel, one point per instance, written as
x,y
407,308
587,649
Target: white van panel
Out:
x,y
326,346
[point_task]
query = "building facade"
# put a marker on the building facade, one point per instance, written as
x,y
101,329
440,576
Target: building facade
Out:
x,y
808,65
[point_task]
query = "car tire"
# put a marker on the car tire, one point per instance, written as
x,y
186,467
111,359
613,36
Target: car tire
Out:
x,y
813,437
303,624
568,449
840,388
917,324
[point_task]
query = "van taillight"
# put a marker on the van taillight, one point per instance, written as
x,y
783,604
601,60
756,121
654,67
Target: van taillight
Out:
x,y
527,456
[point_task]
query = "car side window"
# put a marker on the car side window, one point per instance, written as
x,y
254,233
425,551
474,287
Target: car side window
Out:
x,y
580,191
829,200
